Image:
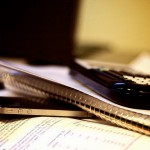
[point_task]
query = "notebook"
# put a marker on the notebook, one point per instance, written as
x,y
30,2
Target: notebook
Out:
x,y
29,83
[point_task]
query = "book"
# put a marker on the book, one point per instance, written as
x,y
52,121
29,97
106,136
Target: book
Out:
x,y
58,133
28,82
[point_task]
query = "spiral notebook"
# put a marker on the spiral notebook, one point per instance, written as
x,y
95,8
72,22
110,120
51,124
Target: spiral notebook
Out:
x,y
31,84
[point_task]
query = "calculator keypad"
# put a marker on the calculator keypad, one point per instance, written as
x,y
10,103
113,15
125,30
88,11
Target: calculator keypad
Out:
x,y
126,77
138,80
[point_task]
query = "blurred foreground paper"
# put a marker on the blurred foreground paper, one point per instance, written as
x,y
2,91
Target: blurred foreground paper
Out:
x,y
141,63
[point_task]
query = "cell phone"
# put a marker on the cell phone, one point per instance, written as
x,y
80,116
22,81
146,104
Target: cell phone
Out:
x,y
23,106
121,86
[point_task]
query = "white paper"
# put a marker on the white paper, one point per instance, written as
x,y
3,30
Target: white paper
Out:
x,y
66,134
141,63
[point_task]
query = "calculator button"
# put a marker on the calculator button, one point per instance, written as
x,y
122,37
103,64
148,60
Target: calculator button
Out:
x,y
114,74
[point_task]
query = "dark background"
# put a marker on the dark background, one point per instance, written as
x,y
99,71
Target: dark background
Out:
x,y
40,31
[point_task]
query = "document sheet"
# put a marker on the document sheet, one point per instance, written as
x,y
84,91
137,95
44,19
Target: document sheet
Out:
x,y
66,133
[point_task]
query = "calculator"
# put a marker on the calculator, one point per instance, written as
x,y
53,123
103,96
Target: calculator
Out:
x,y
121,86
